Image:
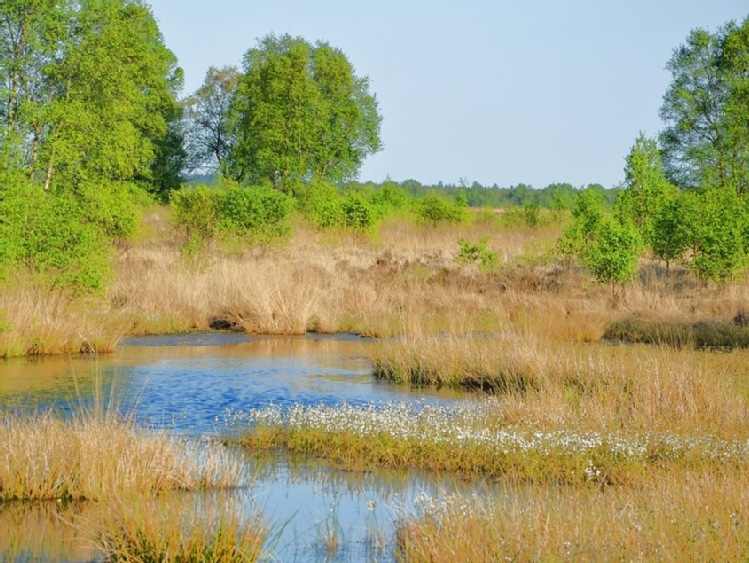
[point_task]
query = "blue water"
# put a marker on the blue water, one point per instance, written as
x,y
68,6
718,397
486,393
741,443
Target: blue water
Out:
x,y
194,385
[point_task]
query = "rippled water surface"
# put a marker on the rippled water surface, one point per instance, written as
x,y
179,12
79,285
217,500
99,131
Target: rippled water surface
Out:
x,y
198,385
193,383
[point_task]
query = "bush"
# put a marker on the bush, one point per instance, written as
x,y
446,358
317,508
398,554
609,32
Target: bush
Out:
x,y
612,257
532,214
196,211
46,234
258,213
357,213
111,207
435,209
389,199
587,216
720,231
321,205
477,253
326,207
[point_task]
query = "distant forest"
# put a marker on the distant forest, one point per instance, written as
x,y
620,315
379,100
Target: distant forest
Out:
x,y
557,195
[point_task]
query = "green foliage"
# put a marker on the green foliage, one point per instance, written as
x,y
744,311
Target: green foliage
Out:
x,y
646,188
612,256
43,234
434,209
196,211
210,135
673,229
587,216
91,89
300,114
388,199
258,213
478,253
327,207
532,214
706,141
111,207
358,213
588,211
720,245
320,203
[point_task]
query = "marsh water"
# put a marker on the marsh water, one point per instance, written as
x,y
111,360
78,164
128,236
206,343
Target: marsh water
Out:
x,y
198,386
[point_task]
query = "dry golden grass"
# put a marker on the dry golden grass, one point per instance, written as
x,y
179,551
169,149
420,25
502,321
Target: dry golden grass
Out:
x,y
174,526
553,385
401,280
673,516
36,321
98,458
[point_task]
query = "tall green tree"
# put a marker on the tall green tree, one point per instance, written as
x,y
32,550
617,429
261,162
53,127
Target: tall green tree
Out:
x,y
301,115
210,134
89,90
706,110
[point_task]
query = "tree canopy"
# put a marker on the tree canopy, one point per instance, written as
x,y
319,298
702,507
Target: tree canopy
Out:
x,y
210,137
301,114
706,110
89,91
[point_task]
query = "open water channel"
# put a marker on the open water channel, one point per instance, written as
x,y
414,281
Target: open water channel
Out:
x,y
198,386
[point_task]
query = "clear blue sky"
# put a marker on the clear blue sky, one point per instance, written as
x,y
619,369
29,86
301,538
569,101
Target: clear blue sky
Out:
x,y
494,91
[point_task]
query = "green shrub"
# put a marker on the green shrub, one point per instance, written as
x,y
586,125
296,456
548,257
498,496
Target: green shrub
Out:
x,y
111,207
532,214
257,213
720,230
389,199
321,204
477,253
196,211
613,255
587,216
673,229
435,209
357,212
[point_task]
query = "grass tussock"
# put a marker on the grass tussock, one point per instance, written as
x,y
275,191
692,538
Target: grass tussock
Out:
x,y
170,531
698,515
35,321
95,458
680,334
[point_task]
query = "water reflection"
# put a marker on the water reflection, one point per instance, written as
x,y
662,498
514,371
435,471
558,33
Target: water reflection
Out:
x,y
303,502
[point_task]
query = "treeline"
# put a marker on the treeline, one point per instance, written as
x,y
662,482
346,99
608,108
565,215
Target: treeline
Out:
x,y
557,196
554,196
92,125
